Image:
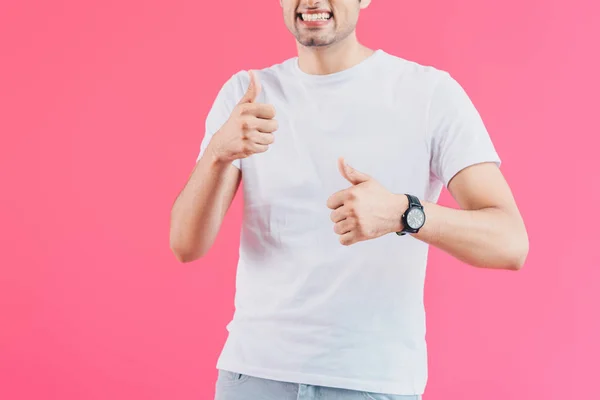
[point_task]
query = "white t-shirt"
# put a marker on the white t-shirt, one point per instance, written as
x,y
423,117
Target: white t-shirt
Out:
x,y
308,309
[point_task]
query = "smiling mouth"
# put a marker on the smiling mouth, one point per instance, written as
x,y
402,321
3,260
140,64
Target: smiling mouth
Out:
x,y
315,16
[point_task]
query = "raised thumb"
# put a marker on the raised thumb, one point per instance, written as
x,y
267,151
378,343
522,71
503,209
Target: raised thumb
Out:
x,y
350,174
253,89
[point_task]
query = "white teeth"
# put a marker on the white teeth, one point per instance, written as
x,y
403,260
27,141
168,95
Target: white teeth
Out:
x,y
316,17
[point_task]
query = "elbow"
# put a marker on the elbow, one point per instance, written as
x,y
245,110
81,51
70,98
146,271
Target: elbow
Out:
x,y
186,256
518,255
185,247
517,263
185,253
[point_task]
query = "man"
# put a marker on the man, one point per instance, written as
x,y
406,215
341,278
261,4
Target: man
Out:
x,y
344,151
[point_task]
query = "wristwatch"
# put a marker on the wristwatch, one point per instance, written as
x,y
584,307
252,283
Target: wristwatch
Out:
x,y
413,218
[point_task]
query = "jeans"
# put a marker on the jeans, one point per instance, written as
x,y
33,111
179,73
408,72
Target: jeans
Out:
x,y
234,386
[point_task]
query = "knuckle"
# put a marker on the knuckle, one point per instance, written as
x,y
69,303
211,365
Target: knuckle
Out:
x,y
357,221
245,147
245,125
351,210
244,109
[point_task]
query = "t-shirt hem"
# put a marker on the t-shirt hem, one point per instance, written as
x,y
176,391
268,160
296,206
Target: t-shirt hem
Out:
x,y
389,388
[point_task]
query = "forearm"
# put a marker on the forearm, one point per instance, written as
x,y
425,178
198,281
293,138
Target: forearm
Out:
x,y
200,208
488,238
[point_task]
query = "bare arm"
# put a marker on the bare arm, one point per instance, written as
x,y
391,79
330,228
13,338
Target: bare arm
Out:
x,y
487,231
200,208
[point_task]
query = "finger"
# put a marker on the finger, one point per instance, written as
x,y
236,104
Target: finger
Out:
x,y
339,214
267,125
350,174
257,147
262,138
265,111
337,199
348,238
343,226
259,110
253,90
250,124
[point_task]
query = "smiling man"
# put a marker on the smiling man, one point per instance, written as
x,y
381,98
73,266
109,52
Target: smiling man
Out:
x,y
344,151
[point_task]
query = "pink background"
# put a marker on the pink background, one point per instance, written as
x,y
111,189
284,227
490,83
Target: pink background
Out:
x,y
102,109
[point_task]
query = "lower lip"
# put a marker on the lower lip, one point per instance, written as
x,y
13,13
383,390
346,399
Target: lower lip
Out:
x,y
314,24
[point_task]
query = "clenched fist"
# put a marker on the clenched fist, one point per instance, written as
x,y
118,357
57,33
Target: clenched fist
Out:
x,y
248,130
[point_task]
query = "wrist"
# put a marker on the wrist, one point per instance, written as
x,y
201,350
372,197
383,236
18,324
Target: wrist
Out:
x,y
400,205
215,156
413,217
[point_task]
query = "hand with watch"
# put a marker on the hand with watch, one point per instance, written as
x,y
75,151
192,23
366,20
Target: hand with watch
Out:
x,y
413,218
367,210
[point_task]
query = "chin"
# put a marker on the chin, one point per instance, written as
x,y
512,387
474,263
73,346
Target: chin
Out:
x,y
314,41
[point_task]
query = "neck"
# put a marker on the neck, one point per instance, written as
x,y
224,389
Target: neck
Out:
x,y
323,60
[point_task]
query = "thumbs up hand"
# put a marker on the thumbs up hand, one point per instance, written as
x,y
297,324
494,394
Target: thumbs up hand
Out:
x,y
249,129
366,210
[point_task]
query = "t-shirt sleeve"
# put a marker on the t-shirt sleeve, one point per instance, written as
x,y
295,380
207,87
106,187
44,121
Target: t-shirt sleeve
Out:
x,y
224,103
458,135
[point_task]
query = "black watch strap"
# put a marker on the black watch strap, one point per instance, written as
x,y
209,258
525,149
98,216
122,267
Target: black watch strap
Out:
x,y
413,202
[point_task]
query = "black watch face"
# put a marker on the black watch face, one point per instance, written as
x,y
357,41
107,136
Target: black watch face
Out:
x,y
415,218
